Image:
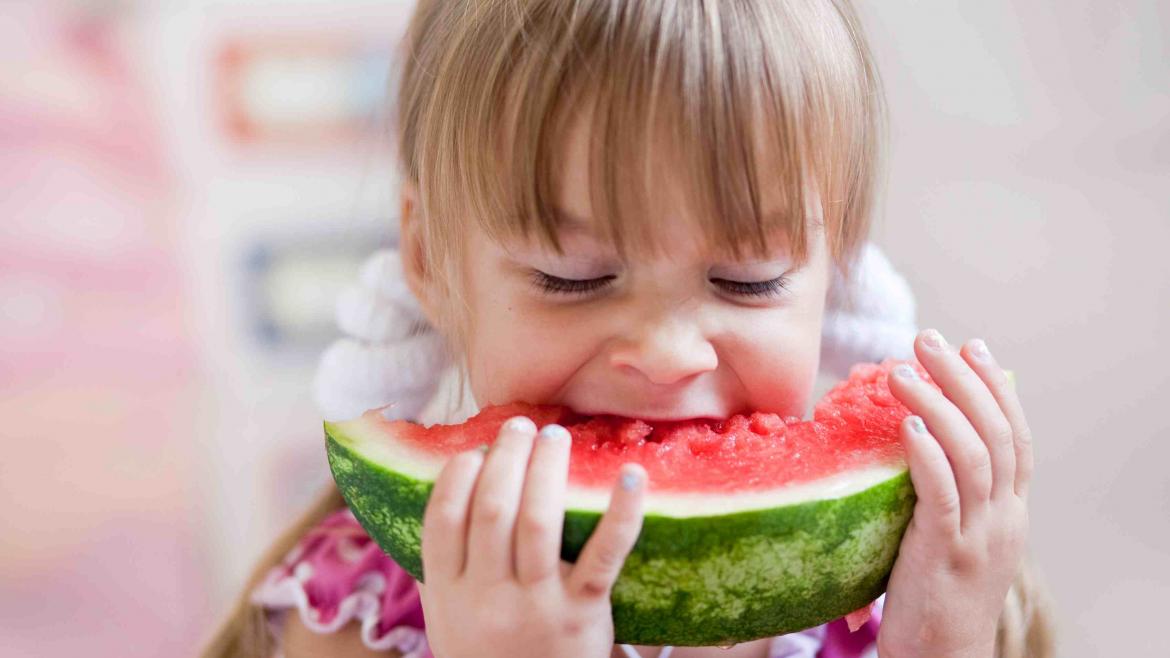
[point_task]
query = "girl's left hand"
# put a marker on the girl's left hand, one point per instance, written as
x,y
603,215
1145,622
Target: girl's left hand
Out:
x,y
971,465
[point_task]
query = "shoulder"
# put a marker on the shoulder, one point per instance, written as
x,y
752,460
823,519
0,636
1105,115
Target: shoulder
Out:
x,y
336,583
298,641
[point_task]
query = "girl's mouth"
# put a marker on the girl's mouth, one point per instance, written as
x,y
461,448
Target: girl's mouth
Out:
x,y
651,418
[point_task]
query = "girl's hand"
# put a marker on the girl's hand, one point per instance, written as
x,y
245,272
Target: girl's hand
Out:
x,y
971,465
491,540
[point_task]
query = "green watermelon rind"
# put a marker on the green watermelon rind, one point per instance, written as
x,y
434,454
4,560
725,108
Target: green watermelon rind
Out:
x,y
694,581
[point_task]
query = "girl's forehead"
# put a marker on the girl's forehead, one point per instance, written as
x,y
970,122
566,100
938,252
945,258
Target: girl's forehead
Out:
x,y
679,243
655,198
658,164
678,234
668,225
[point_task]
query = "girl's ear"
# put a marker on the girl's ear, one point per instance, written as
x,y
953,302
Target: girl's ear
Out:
x,y
411,248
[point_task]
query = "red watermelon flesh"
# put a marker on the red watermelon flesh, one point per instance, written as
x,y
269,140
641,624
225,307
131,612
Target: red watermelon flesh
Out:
x,y
854,424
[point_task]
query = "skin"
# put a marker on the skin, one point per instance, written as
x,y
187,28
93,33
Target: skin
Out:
x,y
665,339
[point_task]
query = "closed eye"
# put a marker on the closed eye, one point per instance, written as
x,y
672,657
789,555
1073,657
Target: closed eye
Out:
x,y
769,288
558,285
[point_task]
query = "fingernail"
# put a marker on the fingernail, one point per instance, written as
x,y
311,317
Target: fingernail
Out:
x,y
521,425
631,479
554,432
979,349
934,339
905,372
917,425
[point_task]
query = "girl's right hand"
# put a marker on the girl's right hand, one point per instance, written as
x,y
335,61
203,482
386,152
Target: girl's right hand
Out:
x,y
491,540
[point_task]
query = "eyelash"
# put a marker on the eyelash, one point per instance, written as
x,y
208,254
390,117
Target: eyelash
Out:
x,y
556,285
769,288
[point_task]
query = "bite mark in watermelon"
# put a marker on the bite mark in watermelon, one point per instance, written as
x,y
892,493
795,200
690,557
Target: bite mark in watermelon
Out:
x,y
755,526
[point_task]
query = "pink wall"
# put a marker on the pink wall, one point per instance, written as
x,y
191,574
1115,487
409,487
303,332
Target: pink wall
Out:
x,y
97,367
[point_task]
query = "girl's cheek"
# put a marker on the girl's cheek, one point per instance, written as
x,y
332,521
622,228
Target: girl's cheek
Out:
x,y
777,360
526,354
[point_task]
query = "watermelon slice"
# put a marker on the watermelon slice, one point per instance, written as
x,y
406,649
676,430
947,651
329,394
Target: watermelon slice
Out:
x,y
755,525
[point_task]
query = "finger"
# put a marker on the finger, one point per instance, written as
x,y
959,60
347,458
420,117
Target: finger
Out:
x,y
969,459
602,557
444,532
542,507
422,598
495,501
985,365
938,508
967,391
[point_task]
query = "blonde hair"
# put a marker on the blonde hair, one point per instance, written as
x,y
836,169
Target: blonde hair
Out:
x,y
711,91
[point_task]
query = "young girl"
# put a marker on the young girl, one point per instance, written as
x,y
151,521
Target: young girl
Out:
x,y
653,208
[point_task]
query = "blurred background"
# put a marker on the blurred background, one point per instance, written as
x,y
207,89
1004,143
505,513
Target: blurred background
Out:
x,y
185,185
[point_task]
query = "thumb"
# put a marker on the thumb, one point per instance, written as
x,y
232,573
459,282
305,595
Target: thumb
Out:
x,y
601,560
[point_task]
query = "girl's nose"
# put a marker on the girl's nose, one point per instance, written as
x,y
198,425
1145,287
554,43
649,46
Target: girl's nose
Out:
x,y
667,352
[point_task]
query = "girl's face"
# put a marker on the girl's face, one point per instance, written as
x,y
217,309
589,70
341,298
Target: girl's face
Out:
x,y
689,334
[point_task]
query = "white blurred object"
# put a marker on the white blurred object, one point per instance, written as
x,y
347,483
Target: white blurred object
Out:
x,y
879,324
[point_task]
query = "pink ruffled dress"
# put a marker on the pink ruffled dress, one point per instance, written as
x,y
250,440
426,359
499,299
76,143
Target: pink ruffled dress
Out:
x,y
337,574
